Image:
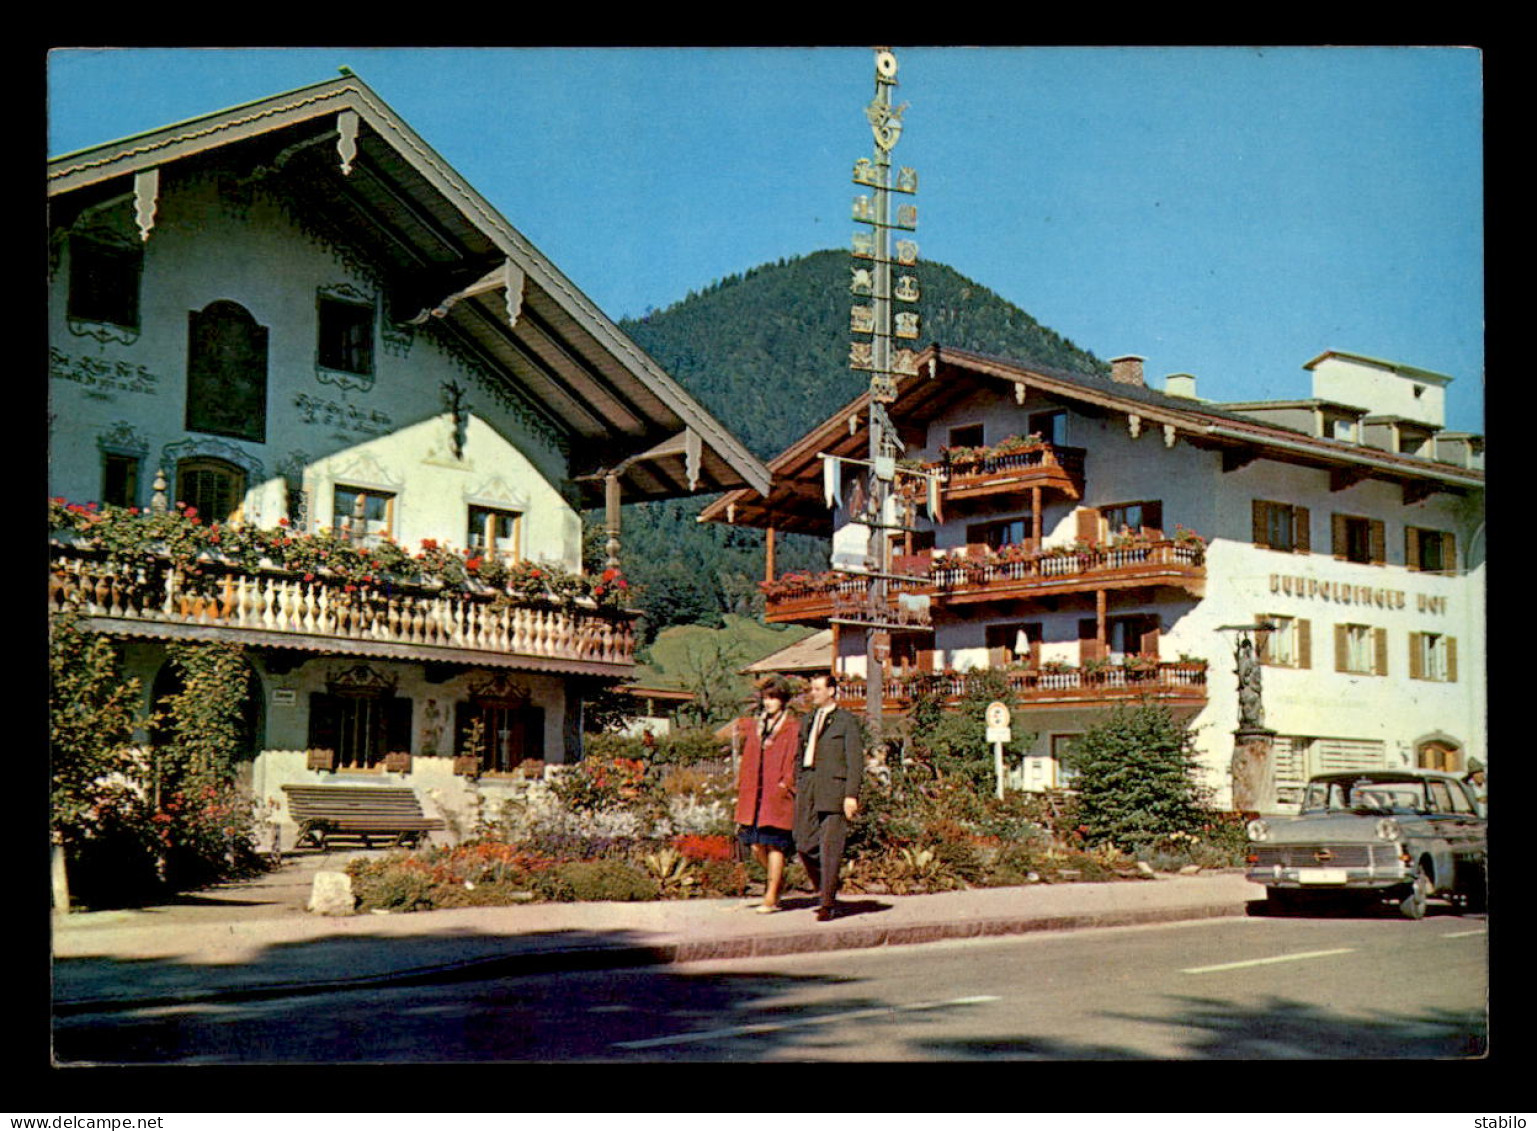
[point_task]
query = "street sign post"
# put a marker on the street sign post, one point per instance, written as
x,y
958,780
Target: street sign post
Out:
x,y
998,733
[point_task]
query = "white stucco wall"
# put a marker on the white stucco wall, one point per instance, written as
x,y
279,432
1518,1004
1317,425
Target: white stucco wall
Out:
x,y
1382,391
1243,582
391,432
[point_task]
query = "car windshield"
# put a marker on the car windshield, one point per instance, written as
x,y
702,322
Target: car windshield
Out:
x,y
1366,796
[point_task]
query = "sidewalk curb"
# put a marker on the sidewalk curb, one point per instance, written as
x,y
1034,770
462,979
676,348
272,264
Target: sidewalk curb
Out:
x,y
558,959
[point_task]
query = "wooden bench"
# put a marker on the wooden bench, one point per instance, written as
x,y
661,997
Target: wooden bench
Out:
x,y
357,812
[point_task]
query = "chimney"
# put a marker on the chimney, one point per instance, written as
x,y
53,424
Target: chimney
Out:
x,y
1127,370
1180,385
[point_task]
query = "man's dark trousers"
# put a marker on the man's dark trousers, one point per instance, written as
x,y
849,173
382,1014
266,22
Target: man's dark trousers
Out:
x,y
821,829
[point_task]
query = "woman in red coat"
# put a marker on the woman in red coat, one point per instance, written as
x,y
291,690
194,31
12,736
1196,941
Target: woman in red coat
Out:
x,y
765,805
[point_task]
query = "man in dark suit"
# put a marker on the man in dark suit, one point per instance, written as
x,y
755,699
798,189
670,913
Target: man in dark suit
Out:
x,y
827,778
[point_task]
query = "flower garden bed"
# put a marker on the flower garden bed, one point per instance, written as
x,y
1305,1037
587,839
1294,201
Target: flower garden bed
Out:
x,y
616,829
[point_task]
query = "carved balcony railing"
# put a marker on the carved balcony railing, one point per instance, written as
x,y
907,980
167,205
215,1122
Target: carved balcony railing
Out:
x,y
1170,561
1013,574
151,596
1164,680
1044,465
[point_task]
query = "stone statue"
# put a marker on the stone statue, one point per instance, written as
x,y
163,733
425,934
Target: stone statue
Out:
x,y
1251,711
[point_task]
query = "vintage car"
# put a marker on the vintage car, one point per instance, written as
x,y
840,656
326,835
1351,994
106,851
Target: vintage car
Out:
x,y
1399,835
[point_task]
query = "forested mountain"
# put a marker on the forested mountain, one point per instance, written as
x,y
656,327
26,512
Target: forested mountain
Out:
x,y
767,353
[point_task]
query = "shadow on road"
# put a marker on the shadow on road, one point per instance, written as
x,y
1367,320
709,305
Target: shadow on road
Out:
x,y
1279,1029
534,1007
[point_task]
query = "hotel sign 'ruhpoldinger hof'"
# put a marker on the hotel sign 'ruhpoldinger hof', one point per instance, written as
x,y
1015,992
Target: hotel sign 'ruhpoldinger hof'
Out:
x,y
1346,594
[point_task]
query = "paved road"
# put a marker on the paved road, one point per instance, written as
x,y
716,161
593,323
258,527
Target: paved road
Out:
x,y
1337,988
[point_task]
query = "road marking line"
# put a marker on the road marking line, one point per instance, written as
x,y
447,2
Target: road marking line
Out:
x,y
1269,961
776,1026
1465,934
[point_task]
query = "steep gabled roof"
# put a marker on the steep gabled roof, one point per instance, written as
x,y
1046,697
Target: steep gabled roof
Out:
x,y
445,254
947,376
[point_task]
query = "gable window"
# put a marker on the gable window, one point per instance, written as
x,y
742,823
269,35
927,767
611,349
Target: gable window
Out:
x,y
104,280
362,514
214,486
1288,644
496,531
1430,551
346,336
1281,526
1433,657
227,372
1360,649
119,479
1359,540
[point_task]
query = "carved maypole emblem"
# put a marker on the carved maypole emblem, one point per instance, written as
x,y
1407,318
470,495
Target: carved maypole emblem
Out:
x,y
872,318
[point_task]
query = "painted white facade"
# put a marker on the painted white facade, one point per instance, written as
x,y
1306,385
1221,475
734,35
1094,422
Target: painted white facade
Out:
x,y
1321,715
1388,389
389,432
492,384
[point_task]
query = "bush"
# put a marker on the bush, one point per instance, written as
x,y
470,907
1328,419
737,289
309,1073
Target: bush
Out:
x,y
685,747
1136,778
599,783
591,880
720,879
392,884
954,742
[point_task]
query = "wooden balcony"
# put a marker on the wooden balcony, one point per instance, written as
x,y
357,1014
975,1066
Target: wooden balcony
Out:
x,y
1180,682
1135,565
150,597
1045,466
1006,576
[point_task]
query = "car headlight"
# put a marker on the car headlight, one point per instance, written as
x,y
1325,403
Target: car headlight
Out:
x,y
1387,829
1258,830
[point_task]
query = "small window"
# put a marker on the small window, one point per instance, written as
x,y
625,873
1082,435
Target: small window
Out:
x,y
119,480
346,336
1359,540
213,486
1430,551
967,436
1061,749
361,728
361,514
1281,526
1287,644
227,372
494,531
1013,643
1360,649
1133,517
996,535
509,733
1049,426
1433,657
104,281
1133,635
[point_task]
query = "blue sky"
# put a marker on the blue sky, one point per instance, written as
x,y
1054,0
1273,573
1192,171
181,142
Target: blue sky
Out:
x,y
1226,212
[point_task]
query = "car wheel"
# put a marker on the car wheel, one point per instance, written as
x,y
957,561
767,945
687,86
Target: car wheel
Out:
x,y
1414,905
